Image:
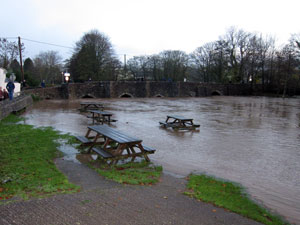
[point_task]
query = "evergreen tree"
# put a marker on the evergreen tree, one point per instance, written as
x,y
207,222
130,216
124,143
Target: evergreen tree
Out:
x,y
93,58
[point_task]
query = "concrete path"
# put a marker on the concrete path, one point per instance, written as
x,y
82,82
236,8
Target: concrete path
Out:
x,y
106,202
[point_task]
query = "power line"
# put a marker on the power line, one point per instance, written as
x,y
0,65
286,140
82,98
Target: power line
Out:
x,y
40,42
62,46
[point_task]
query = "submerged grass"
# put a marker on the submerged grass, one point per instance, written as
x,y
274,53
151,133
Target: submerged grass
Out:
x,y
229,196
26,161
139,173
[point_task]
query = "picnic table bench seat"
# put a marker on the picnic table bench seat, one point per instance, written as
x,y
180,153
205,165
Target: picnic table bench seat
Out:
x,y
104,154
84,140
88,141
150,150
166,125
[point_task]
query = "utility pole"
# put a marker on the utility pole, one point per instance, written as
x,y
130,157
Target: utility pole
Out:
x,y
21,61
125,61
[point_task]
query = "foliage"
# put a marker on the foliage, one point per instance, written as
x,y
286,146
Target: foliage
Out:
x,y
168,65
26,161
31,78
93,58
236,57
9,51
228,196
48,67
143,173
35,98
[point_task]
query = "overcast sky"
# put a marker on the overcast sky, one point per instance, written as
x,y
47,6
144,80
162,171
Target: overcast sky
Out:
x,y
139,27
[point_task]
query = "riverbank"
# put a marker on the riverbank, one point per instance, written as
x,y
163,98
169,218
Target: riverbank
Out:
x,y
105,202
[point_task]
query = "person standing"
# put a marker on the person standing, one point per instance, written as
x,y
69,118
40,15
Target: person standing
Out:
x,y
1,94
10,88
43,84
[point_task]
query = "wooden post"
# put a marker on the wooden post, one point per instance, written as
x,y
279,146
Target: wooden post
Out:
x,y
21,61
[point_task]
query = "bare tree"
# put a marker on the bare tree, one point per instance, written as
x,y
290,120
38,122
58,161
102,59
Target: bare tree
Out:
x,y
8,52
48,67
203,59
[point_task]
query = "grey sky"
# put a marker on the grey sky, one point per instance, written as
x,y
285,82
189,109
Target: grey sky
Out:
x,y
137,27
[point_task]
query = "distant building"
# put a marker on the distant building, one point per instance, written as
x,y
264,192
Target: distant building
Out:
x,y
4,81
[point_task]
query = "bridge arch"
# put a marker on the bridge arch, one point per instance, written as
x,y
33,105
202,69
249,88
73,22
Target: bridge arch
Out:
x,y
87,96
126,95
216,92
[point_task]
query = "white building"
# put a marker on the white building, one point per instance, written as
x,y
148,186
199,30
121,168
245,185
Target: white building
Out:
x,y
4,81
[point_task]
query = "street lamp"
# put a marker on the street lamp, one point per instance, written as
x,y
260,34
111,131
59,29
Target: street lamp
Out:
x,y
67,77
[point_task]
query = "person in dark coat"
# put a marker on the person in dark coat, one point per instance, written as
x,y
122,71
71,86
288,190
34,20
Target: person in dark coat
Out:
x,y
10,88
1,94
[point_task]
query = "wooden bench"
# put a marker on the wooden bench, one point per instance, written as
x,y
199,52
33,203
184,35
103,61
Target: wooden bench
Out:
x,y
101,116
84,106
150,150
84,140
104,154
87,141
179,122
117,145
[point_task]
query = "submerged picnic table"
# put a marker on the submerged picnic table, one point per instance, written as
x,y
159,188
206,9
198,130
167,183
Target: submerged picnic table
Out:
x,y
114,144
179,122
84,106
101,116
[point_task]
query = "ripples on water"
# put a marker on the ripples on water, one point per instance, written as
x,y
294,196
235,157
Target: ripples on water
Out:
x,y
254,141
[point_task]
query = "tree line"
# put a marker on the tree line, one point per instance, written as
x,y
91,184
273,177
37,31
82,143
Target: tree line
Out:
x,y
236,57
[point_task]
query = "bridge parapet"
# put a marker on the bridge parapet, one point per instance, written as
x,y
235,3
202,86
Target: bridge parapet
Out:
x,y
139,89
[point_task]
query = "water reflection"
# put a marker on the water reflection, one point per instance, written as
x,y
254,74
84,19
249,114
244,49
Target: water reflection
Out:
x,y
254,141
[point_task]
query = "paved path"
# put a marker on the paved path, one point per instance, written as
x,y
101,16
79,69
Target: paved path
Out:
x,y
106,202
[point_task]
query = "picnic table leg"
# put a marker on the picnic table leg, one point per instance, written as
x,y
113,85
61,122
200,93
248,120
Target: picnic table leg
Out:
x,y
88,133
133,152
93,115
167,119
94,142
107,141
143,150
119,152
120,149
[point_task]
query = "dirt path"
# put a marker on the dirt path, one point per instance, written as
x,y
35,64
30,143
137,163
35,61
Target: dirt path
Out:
x,y
106,202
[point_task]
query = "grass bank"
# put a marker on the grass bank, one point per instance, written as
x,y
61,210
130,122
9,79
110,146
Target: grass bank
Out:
x,y
229,196
26,161
137,173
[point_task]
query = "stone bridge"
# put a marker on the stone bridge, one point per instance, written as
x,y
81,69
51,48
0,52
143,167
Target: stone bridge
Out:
x,y
138,89
17,104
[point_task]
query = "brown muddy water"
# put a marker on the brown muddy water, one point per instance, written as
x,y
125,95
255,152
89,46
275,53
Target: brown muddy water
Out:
x,y
254,141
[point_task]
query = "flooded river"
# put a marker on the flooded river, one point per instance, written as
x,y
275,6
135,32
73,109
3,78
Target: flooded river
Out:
x,y
254,141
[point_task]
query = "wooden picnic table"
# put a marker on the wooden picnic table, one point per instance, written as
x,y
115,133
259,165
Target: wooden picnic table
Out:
x,y
101,116
116,144
84,106
179,122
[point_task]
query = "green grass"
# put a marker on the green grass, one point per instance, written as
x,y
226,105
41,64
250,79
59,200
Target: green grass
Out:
x,y
26,161
229,196
139,173
35,98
